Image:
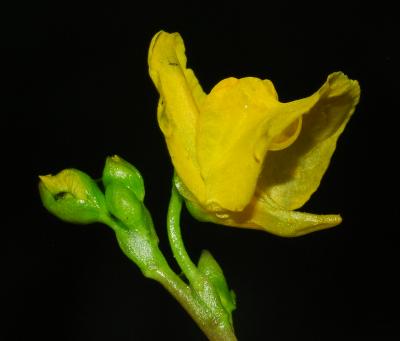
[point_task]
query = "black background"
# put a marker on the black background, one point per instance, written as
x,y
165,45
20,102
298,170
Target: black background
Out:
x,y
76,89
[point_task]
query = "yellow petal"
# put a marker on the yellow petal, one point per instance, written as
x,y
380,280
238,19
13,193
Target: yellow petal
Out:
x,y
240,120
282,127
180,97
228,128
265,215
290,176
288,135
68,181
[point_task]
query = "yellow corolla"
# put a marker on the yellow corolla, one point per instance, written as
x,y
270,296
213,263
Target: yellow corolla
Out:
x,y
243,158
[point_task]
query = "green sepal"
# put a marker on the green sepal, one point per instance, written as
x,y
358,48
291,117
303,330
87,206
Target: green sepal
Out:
x,y
194,209
199,213
73,196
118,170
209,267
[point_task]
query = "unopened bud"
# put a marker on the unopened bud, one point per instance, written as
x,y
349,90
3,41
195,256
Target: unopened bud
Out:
x,y
121,171
209,267
125,206
72,196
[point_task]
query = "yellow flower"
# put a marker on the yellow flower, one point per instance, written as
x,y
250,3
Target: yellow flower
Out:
x,y
242,157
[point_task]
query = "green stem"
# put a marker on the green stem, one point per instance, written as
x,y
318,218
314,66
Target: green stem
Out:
x,y
211,321
175,237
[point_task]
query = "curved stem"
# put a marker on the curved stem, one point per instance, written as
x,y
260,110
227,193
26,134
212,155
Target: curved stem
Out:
x,y
212,323
175,237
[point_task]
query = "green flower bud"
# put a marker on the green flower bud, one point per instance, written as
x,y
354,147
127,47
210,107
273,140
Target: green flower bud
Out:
x,y
135,231
119,170
209,267
125,206
72,196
